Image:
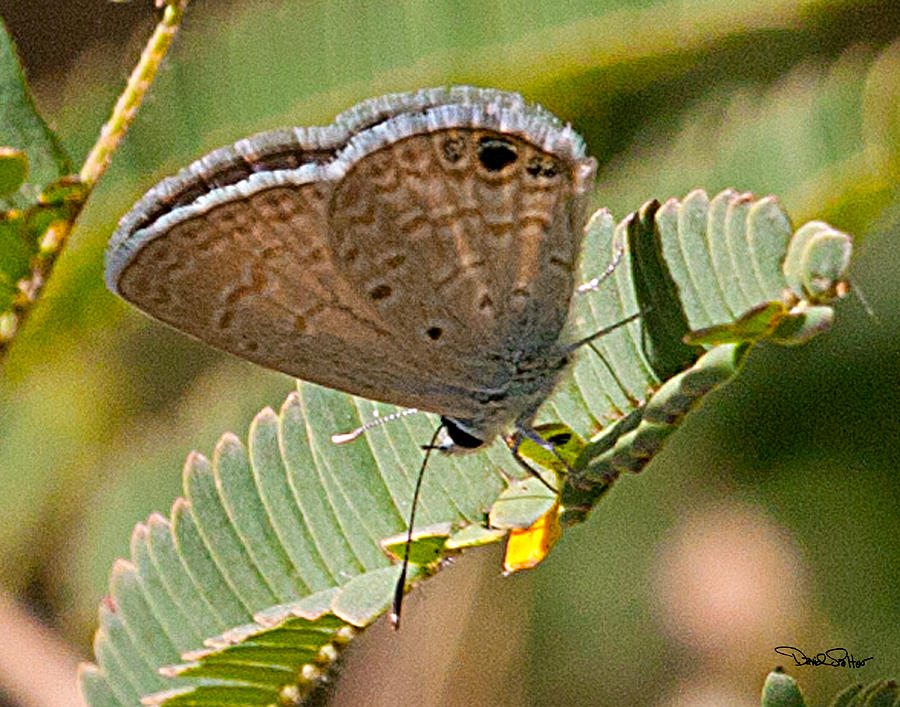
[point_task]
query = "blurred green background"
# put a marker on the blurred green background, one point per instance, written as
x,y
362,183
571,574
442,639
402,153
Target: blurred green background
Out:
x,y
771,519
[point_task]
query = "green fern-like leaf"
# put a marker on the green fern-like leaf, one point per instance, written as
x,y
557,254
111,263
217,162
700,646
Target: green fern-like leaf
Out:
x,y
274,558
782,690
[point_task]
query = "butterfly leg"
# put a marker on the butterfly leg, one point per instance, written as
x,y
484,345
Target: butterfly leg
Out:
x,y
618,381
529,433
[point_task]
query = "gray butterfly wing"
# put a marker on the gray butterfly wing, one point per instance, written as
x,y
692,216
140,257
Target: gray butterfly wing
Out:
x,y
380,267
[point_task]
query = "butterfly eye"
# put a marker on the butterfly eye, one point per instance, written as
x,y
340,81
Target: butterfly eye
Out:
x,y
458,439
496,154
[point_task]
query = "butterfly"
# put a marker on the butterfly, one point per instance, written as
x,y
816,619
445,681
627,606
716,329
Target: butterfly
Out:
x,y
421,251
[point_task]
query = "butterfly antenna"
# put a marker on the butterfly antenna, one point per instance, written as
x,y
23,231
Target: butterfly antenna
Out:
x,y
593,284
344,437
400,587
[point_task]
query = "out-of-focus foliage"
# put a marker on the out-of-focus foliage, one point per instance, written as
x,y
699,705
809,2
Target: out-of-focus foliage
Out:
x,y
781,690
770,522
38,197
22,128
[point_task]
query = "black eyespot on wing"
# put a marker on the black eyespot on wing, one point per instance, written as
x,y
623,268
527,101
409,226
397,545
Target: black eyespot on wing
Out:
x,y
496,154
395,261
453,149
542,167
434,333
380,292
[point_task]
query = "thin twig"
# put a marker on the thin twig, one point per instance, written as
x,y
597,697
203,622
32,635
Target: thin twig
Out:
x,y
138,84
55,237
